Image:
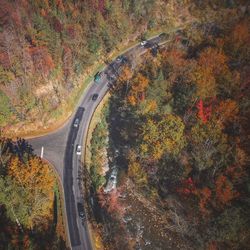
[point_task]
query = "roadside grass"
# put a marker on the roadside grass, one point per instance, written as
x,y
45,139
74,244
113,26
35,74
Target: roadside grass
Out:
x,y
58,213
77,93
96,118
60,218
93,228
59,116
159,30
60,225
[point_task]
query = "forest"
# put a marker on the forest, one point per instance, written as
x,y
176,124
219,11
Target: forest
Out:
x,y
176,126
47,49
28,200
180,122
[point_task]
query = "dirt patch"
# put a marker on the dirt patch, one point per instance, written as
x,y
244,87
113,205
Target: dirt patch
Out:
x,y
44,89
148,225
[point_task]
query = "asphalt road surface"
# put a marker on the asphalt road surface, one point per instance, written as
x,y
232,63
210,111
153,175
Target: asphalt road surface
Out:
x,y
59,147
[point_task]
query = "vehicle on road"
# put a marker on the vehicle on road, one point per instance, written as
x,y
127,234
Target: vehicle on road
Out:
x,y
119,59
97,76
111,78
122,59
154,49
80,209
149,44
164,36
78,149
94,97
143,43
76,122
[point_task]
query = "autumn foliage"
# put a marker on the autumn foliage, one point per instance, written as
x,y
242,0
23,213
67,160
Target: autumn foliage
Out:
x,y
42,60
185,127
110,202
27,195
138,87
37,179
224,191
218,198
204,112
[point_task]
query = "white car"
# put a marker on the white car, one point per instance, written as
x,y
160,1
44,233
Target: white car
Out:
x,y
112,181
143,43
76,122
113,174
78,149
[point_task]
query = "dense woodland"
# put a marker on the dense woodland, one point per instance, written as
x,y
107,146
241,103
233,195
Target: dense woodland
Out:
x,y
29,204
46,46
181,123
185,117
45,49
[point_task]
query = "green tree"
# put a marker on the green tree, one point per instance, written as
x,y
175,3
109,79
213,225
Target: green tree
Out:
x,y
136,172
5,109
14,197
209,146
231,226
6,76
160,92
163,136
97,179
183,94
170,173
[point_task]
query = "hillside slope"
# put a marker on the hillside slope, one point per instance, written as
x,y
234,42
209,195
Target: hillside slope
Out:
x,y
47,47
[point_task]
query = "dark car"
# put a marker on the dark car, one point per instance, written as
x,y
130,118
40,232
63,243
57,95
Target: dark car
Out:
x,y
154,49
80,209
149,44
164,36
94,97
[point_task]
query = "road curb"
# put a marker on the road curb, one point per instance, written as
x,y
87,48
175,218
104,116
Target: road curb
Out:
x,y
61,190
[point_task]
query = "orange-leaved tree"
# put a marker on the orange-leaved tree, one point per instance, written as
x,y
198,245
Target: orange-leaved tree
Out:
x,y
227,111
239,41
37,180
212,63
137,88
224,191
204,196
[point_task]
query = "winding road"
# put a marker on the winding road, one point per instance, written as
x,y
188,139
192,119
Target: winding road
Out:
x,y
59,147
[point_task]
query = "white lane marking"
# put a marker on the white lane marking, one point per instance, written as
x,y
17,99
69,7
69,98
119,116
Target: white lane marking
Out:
x,y
42,151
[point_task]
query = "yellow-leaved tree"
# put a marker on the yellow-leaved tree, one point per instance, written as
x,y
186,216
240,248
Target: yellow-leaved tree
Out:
x,y
162,136
36,179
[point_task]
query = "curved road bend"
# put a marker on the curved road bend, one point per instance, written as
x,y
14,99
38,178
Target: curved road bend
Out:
x,y
60,149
